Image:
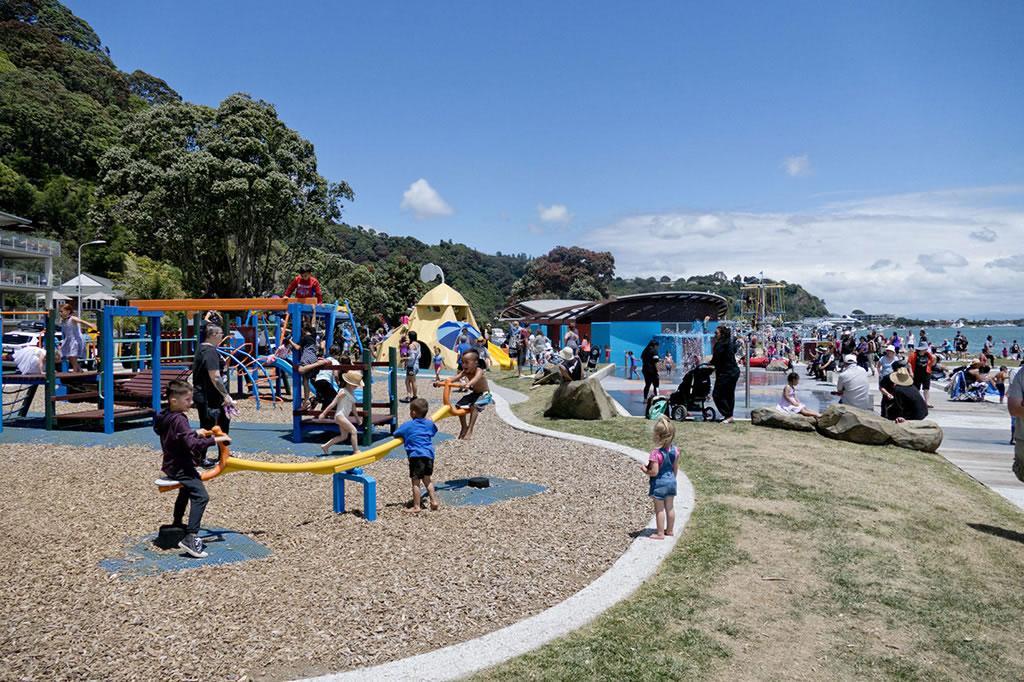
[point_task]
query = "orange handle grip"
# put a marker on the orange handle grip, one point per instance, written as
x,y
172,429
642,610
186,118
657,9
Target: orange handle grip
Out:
x,y
447,397
225,453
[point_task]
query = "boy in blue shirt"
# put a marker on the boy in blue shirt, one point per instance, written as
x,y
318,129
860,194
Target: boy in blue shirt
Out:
x,y
417,435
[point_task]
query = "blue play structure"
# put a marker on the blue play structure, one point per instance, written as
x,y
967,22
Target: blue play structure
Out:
x,y
132,371
304,420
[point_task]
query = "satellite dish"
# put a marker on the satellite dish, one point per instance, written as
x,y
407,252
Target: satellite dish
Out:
x,y
429,272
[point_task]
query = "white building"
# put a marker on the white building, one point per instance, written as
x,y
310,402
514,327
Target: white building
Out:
x,y
26,261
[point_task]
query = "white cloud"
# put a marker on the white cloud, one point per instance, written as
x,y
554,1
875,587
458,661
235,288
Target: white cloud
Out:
x,y
855,254
985,234
1014,262
555,213
677,226
797,166
939,261
424,201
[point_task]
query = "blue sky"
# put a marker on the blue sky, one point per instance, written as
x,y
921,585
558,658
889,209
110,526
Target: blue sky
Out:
x,y
684,138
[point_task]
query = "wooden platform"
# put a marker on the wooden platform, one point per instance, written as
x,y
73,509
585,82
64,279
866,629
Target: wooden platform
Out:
x,y
378,419
97,415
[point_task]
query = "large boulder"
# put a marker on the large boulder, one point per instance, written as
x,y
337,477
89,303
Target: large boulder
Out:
x,y
778,365
548,374
585,399
843,422
777,419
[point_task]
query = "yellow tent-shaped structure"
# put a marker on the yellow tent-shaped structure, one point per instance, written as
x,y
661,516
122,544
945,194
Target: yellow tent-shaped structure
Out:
x,y
439,305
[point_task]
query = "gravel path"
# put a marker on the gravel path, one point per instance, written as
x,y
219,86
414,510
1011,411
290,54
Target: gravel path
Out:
x,y
337,593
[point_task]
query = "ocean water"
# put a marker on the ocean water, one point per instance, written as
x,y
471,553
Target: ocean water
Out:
x,y
975,335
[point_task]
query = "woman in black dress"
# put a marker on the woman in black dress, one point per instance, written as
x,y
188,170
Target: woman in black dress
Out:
x,y
727,373
649,367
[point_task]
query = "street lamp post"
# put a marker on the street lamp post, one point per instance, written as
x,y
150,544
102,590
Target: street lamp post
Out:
x,y
79,279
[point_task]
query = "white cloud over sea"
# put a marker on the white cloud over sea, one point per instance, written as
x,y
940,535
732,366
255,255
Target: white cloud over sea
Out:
x,y
946,253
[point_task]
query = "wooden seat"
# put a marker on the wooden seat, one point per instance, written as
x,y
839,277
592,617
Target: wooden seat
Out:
x,y
138,389
97,415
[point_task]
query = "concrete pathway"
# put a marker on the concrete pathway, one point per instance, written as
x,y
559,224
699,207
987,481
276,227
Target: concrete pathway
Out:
x,y
976,436
640,561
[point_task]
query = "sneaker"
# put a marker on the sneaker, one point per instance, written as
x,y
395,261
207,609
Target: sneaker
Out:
x,y
193,546
208,463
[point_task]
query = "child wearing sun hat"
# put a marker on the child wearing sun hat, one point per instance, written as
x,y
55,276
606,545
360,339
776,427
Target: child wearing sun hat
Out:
x,y
344,406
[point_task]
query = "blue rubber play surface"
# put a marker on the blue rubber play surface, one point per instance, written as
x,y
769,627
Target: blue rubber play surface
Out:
x,y
458,493
245,438
224,547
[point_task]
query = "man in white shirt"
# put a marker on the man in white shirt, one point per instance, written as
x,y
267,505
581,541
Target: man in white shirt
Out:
x,y
852,387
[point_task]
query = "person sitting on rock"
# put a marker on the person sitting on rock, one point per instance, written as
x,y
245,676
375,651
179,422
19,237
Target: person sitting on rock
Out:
x,y
907,403
571,368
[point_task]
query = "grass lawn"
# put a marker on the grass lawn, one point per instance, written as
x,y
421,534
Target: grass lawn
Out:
x,y
807,558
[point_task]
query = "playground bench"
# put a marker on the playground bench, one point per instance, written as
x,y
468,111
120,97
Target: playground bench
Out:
x,y
138,389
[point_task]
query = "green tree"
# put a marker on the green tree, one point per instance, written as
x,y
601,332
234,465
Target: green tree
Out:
x,y
16,193
555,274
220,193
146,278
151,89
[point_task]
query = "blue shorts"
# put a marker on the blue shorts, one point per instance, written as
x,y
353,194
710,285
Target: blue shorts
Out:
x,y
663,489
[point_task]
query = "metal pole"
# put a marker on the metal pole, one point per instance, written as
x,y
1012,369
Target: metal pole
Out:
x,y
79,280
368,398
49,392
746,378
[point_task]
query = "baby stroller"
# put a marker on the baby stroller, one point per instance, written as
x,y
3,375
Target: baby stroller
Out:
x,y
692,395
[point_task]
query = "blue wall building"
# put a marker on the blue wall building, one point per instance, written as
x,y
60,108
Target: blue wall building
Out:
x,y
682,321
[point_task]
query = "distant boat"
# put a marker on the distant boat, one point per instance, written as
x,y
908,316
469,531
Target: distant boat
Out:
x,y
959,324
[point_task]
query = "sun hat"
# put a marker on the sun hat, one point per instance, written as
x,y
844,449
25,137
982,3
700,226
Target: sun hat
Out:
x,y
922,346
850,359
566,353
902,377
890,347
353,377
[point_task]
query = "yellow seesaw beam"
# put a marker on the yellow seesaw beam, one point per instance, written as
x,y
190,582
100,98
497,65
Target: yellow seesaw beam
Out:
x,y
333,465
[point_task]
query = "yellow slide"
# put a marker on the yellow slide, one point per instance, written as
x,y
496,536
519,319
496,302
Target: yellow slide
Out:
x,y
499,356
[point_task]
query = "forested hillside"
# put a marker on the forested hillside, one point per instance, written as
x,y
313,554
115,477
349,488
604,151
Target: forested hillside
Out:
x,y
225,201
799,303
87,151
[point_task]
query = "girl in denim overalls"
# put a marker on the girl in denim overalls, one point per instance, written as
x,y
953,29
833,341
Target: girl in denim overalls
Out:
x,y
661,469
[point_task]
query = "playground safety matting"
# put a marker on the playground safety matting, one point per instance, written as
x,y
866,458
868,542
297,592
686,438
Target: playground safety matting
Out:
x,y
458,493
245,438
142,558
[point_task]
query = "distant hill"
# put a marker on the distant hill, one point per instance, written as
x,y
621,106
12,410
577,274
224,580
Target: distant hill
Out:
x,y
484,280
799,303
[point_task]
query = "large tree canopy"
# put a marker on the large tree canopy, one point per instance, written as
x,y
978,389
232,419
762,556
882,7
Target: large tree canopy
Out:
x,y
566,272
217,192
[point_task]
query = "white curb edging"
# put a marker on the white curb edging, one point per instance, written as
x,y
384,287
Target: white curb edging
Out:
x,y
636,565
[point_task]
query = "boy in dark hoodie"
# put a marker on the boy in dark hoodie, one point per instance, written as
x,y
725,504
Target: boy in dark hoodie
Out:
x,y
183,449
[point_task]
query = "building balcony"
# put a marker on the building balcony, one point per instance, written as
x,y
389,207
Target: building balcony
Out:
x,y
11,278
13,243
